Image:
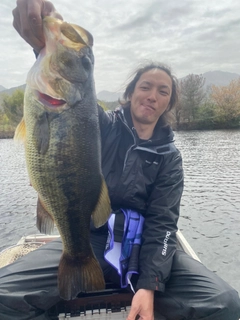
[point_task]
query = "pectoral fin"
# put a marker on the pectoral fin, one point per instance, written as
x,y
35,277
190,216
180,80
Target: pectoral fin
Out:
x,y
103,208
20,132
41,133
45,222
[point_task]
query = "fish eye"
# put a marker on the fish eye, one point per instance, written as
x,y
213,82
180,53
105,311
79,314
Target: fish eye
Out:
x,y
86,62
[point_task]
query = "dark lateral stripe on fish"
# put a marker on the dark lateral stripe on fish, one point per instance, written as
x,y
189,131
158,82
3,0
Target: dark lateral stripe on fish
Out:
x,y
50,101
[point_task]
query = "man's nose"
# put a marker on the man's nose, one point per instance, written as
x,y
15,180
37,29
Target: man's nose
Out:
x,y
152,95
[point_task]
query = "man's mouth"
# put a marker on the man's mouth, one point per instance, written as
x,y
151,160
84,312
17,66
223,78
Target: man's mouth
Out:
x,y
148,107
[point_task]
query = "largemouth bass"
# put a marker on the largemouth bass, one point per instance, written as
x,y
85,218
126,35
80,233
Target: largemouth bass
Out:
x,y
62,146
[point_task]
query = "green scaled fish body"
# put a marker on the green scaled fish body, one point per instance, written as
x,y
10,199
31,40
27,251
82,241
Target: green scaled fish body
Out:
x,y
62,143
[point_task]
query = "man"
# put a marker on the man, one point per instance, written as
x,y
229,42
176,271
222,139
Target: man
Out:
x,y
143,172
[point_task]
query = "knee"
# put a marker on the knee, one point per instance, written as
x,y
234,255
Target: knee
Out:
x,y
230,305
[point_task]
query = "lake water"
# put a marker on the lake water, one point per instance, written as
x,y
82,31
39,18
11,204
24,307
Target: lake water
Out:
x,y
210,209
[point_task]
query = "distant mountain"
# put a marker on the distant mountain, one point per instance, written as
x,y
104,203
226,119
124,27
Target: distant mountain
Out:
x,y
219,78
11,90
2,88
109,96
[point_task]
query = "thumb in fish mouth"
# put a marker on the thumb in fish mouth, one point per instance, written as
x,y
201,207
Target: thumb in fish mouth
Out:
x,y
69,32
77,34
74,33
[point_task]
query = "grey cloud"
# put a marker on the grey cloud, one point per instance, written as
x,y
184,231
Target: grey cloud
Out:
x,y
210,13
140,18
192,36
224,32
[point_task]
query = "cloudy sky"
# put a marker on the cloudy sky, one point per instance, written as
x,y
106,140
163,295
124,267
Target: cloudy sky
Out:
x,y
192,36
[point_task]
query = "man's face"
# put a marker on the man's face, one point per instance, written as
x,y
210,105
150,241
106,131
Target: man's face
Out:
x,y
151,97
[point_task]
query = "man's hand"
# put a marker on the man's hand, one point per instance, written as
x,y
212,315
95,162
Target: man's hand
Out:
x,y
28,17
142,305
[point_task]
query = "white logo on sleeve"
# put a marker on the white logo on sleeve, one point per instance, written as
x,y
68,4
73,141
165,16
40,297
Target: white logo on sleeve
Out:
x,y
165,243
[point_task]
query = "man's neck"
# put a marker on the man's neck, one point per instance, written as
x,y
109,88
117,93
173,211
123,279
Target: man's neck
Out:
x,y
144,131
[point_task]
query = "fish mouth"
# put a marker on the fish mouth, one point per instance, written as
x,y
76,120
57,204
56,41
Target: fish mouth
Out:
x,y
50,102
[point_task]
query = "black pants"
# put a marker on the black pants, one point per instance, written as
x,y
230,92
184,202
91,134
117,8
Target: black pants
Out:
x,y
28,287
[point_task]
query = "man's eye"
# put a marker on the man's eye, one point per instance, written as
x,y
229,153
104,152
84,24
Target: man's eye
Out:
x,y
144,88
164,93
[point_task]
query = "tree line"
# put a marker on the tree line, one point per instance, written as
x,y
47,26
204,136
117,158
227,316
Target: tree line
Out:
x,y
11,112
199,107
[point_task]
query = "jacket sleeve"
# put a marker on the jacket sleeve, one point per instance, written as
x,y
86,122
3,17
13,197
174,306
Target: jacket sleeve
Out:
x,y
106,120
160,226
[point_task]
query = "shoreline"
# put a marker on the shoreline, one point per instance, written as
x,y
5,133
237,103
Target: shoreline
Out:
x,y
6,135
10,134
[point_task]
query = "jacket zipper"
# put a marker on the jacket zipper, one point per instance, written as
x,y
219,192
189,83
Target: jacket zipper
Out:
x,y
134,141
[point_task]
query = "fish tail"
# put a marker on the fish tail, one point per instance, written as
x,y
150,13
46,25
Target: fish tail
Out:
x,y
103,208
79,274
20,132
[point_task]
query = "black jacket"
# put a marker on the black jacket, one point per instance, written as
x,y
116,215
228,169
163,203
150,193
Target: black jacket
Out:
x,y
145,176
